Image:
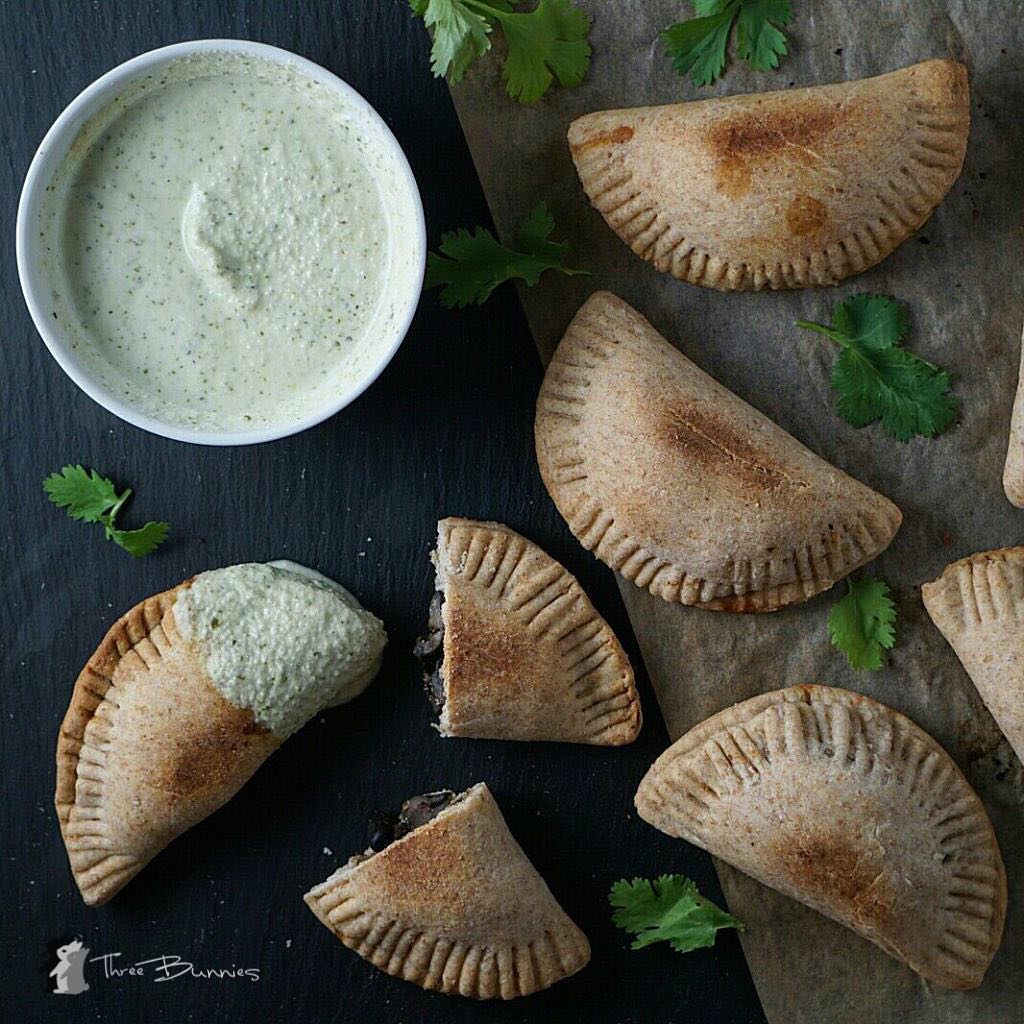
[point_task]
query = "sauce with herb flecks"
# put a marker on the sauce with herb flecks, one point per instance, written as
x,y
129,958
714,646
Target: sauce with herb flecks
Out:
x,y
224,243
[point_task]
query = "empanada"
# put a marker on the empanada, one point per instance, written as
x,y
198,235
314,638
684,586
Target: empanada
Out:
x,y
682,487
782,189
186,697
516,650
451,903
978,604
1013,474
844,804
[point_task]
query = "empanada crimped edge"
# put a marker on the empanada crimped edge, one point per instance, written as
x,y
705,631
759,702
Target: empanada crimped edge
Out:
x,y
844,804
514,613
115,818
785,189
683,488
454,906
978,606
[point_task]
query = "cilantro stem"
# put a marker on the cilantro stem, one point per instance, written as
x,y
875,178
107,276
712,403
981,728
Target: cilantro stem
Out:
x,y
486,9
839,339
876,378
88,497
120,501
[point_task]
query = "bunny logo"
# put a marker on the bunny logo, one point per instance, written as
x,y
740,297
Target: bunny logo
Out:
x,y
69,974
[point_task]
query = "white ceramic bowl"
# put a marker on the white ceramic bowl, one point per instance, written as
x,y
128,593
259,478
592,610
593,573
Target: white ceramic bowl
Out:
x,y
48,159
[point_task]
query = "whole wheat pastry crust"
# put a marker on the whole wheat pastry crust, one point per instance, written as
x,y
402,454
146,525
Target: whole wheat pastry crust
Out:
x,y
454,906
1013,474
785,189
978,604
682,487
849,807
526,655
148,748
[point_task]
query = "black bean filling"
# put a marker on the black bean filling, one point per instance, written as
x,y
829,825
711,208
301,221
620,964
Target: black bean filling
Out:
x,y
430,650
385,827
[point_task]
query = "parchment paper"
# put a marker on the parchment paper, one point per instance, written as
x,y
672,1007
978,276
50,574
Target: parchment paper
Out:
x,y
962,276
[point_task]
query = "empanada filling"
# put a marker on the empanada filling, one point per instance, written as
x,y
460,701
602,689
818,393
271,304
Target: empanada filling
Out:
x,y
386,828
430,650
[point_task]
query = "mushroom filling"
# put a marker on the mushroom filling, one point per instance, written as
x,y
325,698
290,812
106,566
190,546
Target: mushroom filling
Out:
x,y
430,650
385,827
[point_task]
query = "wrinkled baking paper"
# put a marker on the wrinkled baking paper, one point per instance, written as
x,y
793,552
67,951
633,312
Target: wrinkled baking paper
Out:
x,y
963,276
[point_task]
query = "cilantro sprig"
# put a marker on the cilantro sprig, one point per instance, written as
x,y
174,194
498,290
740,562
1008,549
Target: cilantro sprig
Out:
x,y
91,498
470,266
668,909
697,47
545,43
863,623
876,379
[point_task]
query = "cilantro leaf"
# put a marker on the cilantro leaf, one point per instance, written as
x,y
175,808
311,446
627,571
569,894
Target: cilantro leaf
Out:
x,y
876,380
91,498
470,266
546,43
85,496
909,395
869,321
460,35
534,236
698,47
759,38
139,542
669,909
863,623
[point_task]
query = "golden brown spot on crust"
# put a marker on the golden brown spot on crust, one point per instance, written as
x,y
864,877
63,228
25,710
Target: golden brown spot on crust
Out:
x,y
798,128
832,869
716,445
484,656
212,754
613,138
740,144
732,177
408,868
806,215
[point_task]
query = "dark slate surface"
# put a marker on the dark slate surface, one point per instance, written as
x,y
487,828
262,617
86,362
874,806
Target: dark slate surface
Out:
x,y
446,430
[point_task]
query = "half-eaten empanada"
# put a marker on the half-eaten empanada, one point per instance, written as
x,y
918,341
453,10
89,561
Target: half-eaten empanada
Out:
x,y
515,650
682,487
446,898
978,604
1013,474
186,697
844,804
782,189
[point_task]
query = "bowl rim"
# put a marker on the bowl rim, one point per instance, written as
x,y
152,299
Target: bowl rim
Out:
x,y
38,176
